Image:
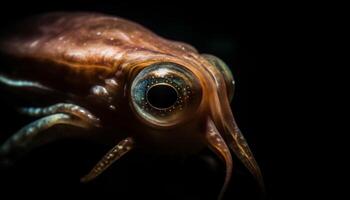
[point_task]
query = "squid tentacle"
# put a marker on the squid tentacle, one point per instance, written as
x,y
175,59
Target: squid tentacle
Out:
x,y
34,134
223,117
67,108
217,144
113,155
242,150
17,83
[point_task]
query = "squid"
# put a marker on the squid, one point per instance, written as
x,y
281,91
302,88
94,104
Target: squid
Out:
x,y
115,81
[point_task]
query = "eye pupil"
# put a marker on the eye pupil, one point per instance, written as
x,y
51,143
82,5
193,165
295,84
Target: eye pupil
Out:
x,y
162,96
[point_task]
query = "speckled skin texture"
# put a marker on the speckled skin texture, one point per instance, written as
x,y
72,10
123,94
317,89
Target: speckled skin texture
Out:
x,y
91,60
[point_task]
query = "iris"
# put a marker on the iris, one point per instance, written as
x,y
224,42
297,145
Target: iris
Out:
x,y
164,93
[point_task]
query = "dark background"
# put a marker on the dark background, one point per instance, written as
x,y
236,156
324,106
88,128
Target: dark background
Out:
x,y
260,42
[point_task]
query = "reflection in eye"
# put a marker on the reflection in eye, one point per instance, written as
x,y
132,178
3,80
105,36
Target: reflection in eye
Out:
x,y
164,92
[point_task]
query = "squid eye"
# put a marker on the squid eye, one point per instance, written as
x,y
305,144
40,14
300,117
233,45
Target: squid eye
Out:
x,y
164,94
